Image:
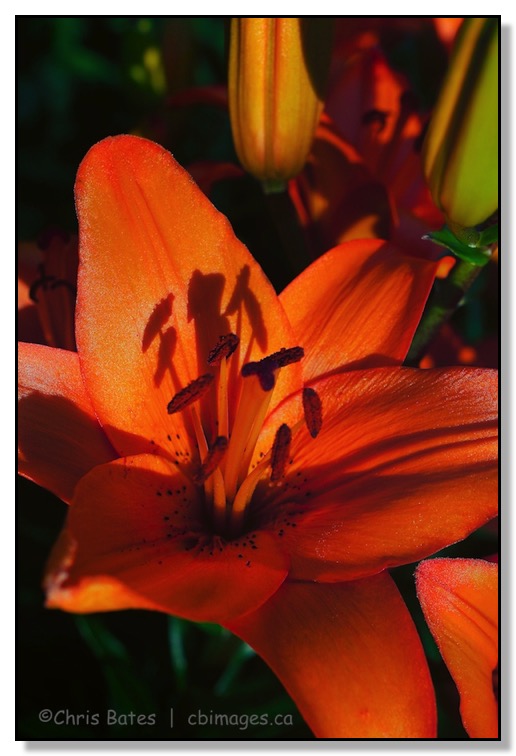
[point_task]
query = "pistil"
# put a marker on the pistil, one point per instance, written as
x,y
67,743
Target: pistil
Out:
x,y
254,402
245,494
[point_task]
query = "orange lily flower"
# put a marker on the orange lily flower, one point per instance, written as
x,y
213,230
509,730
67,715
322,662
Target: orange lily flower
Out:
x,y
459,598
365,174
47,277
336,196
257,461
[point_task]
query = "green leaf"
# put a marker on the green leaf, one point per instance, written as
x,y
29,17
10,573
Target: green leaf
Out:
x,y
176,640
232,670
444,237
126,690
489,236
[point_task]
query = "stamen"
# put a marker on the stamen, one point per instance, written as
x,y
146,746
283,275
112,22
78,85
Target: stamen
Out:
x,y
44,309
224,348
280,452
250,444
61,282
245,493
200,437
253,403
312,408
212,461
218,356
247,489
287,356
219,500
222,399
38,284
264,369
190,394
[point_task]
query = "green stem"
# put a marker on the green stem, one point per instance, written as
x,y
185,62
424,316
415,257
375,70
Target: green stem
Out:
x,y
286,222
442,303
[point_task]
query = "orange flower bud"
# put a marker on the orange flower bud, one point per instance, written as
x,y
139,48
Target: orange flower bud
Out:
x,y
277,73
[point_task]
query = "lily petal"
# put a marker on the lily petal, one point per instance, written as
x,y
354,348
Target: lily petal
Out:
x,y
59,437
151,542
162,277
95,594
459,598
405,464
350,657
358,305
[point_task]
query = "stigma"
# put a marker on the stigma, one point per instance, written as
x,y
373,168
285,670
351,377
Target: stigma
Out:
x,y
225,470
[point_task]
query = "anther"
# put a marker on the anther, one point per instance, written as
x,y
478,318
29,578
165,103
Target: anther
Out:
x,y
264,369
212,460
286,356
41,282
280,451
263,372
312,408
190,394
251,368
224,348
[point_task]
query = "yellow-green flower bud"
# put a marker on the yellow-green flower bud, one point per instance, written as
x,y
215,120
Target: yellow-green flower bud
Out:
x,y
460,153
277,73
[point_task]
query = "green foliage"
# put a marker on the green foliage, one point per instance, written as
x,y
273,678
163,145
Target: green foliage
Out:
x,y
471,249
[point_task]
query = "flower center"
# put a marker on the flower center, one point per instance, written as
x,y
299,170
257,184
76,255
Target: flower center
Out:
x,y
225,471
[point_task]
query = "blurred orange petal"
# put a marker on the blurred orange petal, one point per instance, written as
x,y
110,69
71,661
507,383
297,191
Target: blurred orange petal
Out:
x,y
459,598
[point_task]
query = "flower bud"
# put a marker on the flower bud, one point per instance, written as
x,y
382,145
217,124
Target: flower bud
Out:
x,y
277,72
460,153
